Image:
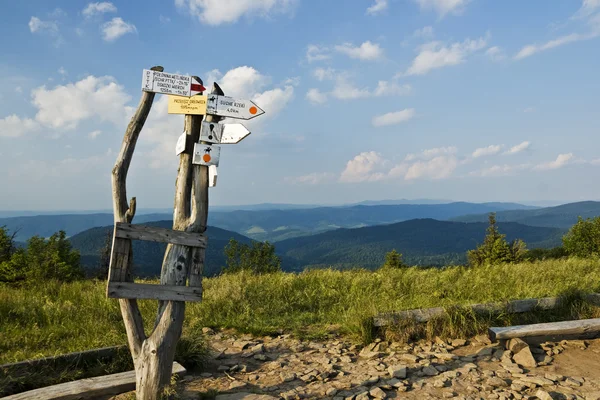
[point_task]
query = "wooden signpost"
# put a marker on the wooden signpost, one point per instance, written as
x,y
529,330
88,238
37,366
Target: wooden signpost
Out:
x,y
183,263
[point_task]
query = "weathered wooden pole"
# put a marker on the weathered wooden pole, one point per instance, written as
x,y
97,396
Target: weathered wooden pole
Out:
x,y
153,355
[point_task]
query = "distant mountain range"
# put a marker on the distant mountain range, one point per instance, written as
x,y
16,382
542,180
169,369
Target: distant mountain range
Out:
x,y
563,216
421,241
268,224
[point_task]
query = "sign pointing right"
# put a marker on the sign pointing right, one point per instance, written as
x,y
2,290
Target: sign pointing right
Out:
x,y
234,108
233,133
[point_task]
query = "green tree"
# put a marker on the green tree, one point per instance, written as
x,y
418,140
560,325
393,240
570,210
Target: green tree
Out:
x,y
7,244
393,259
495,249
43,260
259,258
583,239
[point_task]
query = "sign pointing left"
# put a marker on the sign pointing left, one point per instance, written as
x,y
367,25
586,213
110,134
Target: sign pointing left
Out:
x,y
166,83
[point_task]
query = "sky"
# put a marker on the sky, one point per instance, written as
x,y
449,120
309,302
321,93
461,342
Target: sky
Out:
x,y
467,100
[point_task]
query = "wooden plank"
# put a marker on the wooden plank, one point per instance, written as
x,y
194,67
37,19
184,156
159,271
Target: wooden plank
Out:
x,y
130,290
162,235
119,259
89,388
515,306
580,327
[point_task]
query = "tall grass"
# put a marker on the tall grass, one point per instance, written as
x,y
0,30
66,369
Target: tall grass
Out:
x,y
54,318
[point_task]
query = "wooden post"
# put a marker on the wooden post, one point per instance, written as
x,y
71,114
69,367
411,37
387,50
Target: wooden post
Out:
x,y
153,355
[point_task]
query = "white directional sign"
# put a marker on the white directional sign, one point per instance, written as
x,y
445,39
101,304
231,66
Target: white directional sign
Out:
x,y
166,83
212,175
233,133
180,146
211,132
229,107
206,154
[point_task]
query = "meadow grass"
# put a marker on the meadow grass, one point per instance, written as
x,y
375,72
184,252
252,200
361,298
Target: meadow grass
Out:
x,y
53,318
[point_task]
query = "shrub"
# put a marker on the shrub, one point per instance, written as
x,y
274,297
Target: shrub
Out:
x,y
259,258
583,239
495,249
393,259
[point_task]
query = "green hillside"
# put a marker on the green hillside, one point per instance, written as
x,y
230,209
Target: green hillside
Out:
x,y
421,241
563,216
148,256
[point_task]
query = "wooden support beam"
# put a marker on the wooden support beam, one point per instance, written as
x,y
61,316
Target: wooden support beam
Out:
x,y
563,328
130,290
162,235
90,388
514,306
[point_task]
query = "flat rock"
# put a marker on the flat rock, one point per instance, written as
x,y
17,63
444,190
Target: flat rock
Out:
x,y
525,359
543,395
516,345
430,371
244,396
397,371
377,393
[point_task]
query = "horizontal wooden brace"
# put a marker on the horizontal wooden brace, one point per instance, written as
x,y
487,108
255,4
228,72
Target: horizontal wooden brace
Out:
x,y
153,234
131,290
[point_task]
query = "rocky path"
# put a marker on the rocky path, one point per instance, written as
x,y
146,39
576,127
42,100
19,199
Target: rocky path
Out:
x,y
246,367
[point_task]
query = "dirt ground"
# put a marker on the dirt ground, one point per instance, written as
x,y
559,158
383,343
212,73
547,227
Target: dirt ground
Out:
x,y
263,368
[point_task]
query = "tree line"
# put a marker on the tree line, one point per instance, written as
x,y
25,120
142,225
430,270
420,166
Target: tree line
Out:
x,y
54,258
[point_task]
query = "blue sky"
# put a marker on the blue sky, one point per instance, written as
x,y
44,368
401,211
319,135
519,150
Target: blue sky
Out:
x,y
378,99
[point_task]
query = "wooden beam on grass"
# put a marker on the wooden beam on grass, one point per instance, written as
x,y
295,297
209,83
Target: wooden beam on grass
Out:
x,y
584,327
130,290
514,306
89,388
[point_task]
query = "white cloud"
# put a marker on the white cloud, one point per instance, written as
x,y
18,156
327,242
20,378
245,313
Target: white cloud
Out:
x,y
487,151
324,73
63,72
14,126
315,96
36,25
98,8
115,28
518,148
587,8
344,89
243,81
430,153
425,32
386,88
595,161
94,134
317,53
163,19
528,110
378,7
367,51
364,167
437,168
393,118
495,53
500,170
18,89
434,55
274,100
216,12
532,49
561,161
66,105
314,178
443,7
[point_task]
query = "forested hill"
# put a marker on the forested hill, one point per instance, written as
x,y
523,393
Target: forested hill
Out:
x,y
563,216
148,256
421,241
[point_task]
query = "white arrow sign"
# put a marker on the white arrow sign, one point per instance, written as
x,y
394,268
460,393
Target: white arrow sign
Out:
x,y
166,83
229,107
233,133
